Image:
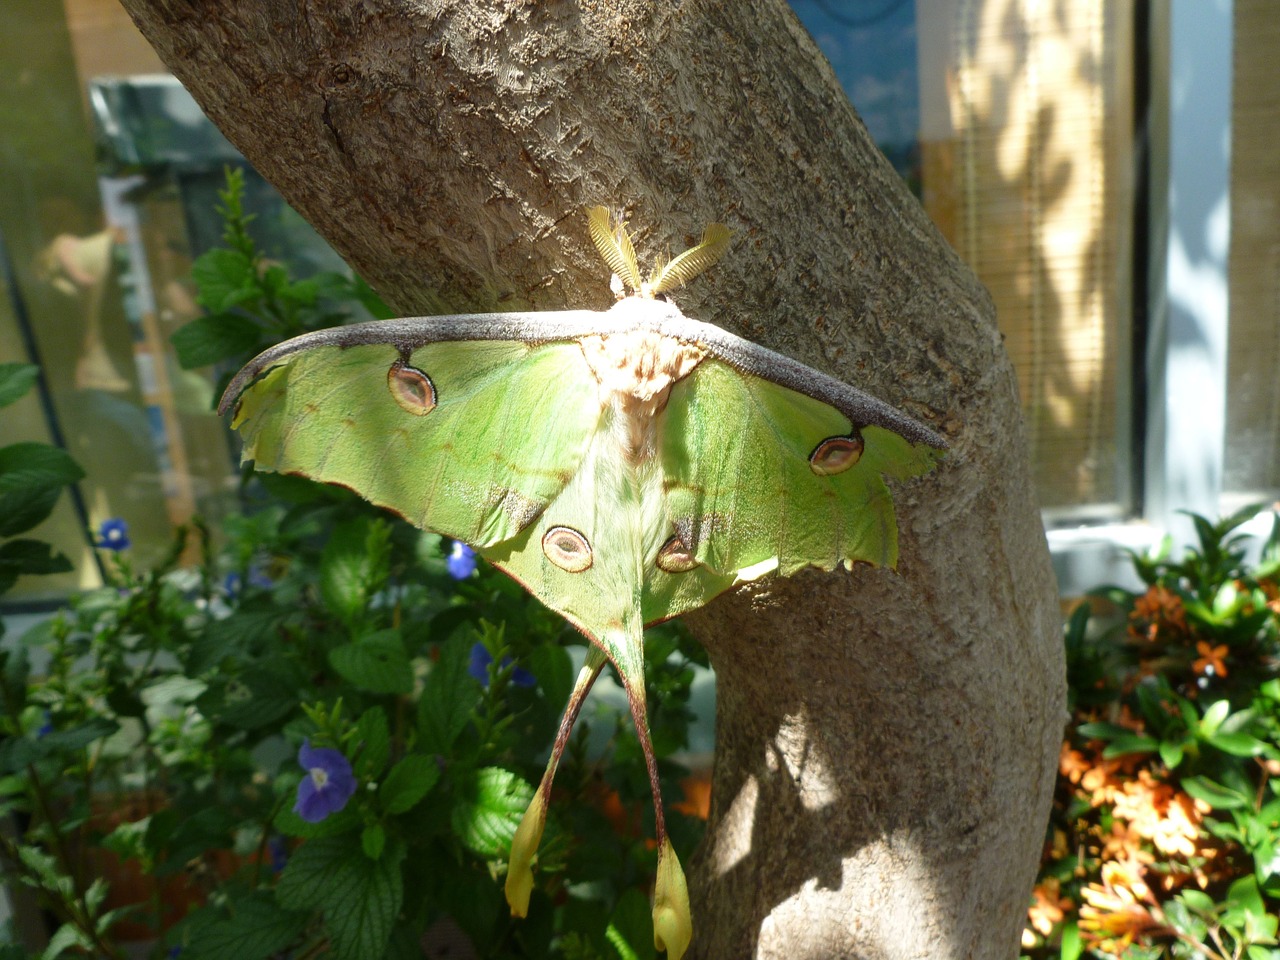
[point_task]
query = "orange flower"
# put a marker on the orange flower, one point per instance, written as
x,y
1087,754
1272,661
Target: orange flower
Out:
x,y
1048,906
1272,592
1211,661
1157,613
1104,780
1156,811
1112,915
1125,843
1072,764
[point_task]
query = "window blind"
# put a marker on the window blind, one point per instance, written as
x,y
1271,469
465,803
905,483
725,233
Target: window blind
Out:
x,y
1034,189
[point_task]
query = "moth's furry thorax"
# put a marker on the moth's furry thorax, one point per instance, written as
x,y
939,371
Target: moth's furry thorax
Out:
x,y
636,371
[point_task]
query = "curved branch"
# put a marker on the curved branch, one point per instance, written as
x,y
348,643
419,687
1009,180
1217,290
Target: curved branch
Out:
x,y
886,743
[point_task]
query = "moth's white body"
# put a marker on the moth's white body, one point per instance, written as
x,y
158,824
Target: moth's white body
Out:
x,y
636,369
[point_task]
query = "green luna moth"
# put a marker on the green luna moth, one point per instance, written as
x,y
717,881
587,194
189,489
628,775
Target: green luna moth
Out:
x,y
625,466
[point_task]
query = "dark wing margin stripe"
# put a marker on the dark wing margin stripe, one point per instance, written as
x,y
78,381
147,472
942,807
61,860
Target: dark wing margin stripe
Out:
x,y
861,408
410,333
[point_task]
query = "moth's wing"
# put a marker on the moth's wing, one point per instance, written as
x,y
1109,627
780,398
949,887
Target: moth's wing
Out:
x,y
584,556
738,453
510,423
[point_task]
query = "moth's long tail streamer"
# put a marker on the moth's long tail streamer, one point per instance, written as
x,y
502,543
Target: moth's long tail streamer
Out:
x,y
672,918
524,845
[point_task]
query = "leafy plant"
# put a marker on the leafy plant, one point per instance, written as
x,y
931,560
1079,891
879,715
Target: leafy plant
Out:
x,y
32,477
1165,835
321,739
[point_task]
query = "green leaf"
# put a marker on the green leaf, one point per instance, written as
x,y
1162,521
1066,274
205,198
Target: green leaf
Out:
x,y
553,667
1103,731
1198,901
15,380
1266,860
223,278
67,936
1213,717
345,821
353,566
373,839
408,782
1130,743
31,557
630,929
1071,944
1237,744
257,929
262,696
1215,794
18,752
1228,599
1245,909
376,663
449,696
1171,753
214,338
173,689
358,896
373,741
371,301
1189,924
488,809
32,476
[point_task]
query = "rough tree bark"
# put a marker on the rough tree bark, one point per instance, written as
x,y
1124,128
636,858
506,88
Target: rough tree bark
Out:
x,y
886,743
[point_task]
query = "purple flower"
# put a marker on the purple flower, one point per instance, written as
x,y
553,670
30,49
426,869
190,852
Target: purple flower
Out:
x,y
233,584
328,785
462,561
45,728
278,850
113,534
479,668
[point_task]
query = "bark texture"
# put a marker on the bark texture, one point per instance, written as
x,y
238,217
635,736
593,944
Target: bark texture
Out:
x,y
886,742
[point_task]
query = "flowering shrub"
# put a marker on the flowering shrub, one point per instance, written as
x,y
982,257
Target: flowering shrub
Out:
x,y
322,738
1164,839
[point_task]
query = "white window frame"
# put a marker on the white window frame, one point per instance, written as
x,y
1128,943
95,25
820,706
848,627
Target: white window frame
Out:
x,y
1189,174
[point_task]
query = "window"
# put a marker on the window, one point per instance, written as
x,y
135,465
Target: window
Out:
x,y
1107,168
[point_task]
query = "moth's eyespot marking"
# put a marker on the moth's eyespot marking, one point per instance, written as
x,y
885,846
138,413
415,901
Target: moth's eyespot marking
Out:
x,y
836,454
674,557
411,388
567,549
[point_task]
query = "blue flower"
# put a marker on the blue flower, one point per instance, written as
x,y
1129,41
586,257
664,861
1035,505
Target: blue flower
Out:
x,y
328,785
479,668
113,534
462,561
46,727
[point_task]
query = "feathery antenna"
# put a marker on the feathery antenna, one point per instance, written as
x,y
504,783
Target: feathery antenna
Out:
x,y
609,232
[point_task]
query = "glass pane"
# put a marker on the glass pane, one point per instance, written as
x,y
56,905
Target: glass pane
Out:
x,y
1021,113
1252,468
111,188
1027,167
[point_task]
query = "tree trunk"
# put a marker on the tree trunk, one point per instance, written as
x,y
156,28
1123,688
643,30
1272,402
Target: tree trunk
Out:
x,y
886,742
